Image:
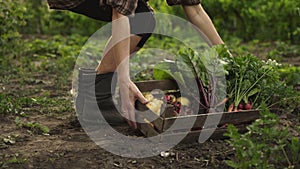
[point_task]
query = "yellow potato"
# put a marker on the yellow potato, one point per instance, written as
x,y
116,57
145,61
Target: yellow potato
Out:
x,y
149,96
155,106
158,102
184,101
173,98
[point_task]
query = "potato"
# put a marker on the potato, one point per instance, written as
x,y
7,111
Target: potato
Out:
x,y
183,101
149,96
155,106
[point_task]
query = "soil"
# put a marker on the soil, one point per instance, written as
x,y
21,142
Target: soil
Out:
x,y
68,146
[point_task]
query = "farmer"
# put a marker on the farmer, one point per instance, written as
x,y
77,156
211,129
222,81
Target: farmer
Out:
x,y
118,49
122,44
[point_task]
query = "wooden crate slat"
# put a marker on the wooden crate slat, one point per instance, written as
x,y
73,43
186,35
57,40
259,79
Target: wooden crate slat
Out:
x,y
225,118
158,122
184,121
168,112
193,136
147,129
244,116
148,86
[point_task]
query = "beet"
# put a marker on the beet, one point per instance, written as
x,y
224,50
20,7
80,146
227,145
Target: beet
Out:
x,y
248,106
241,106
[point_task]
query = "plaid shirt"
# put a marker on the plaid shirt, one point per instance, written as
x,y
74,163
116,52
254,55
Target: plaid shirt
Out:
x,y
64,4
125,7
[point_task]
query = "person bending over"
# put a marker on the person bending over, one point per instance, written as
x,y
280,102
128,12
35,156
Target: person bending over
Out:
x,y
128,35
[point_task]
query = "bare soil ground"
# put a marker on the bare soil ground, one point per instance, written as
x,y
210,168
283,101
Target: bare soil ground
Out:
x,y
68,146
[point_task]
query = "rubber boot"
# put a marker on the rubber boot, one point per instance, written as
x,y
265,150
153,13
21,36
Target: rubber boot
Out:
x,y
95,97
105,86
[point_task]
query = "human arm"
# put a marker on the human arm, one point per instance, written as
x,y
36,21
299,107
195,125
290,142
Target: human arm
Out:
x,y
197,15
121,52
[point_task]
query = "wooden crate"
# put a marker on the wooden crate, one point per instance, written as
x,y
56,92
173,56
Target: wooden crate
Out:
x,y
162,123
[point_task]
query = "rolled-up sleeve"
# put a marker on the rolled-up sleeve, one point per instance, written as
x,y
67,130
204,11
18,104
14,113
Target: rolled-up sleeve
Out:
x,y
63,4
124,7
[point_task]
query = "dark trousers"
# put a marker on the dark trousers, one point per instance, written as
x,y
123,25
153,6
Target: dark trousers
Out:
x,y
140,24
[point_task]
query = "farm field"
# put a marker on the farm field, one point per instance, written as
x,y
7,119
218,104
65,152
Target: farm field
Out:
x,y
39,127
41,130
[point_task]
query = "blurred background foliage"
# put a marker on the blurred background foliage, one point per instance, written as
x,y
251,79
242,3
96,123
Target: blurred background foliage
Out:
x,y
30,28
248,20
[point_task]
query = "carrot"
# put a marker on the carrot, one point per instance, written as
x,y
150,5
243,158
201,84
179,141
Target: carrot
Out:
x,y
230,108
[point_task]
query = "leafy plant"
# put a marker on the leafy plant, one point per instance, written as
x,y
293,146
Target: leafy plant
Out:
x,y
9,140
264,145
55,55
14,160
251,80
34,127
11,17
256,19
7,105
17,106
206,69
294,147
291,75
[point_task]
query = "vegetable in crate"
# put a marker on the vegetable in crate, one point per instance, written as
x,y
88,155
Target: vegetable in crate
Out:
x,y
180,104
205,69
251,81
154,104
248,79
169,98
183,101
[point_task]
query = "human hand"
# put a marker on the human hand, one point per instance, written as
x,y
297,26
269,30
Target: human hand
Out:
x,y
129,94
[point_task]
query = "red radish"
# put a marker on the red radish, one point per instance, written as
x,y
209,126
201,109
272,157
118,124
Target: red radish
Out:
x,y
167,98
178,104
170,98
248,106
177,108
241,106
